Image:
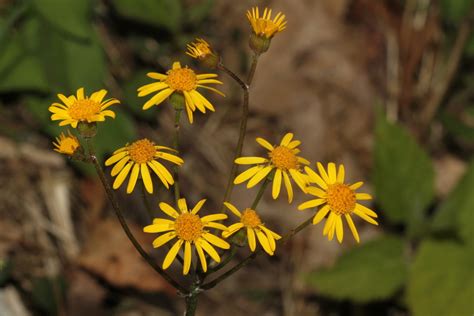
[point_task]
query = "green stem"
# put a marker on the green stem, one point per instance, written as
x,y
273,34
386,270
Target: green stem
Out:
x,y
242,130
250,257
191,304
176,147
253,67
121,218
260,192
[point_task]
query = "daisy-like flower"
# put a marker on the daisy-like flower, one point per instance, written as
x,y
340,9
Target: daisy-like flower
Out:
x,y
184,81
251,222
66,144
339,199
263,25
80,108
283,159
137,158
199,49
190,230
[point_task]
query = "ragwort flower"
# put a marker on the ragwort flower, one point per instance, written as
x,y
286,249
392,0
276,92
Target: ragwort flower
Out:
x,y
137,158
339,199
263,25
80,108
190,230
183,81
251,222
202,51
66,144
283,159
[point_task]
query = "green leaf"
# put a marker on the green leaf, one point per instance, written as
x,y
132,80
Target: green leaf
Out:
x,y
457,127
457,210
48,294
372,271
441,281
70,16
158,13
455,10
403,175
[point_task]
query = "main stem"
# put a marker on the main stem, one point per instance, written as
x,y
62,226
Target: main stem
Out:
x,y
121,218
176,147
243,122
247,260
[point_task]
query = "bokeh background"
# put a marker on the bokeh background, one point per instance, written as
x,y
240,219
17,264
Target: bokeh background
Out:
x,y
385,87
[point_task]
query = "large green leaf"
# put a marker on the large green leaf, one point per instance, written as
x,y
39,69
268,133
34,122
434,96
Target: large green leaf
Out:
x,y
441,282
455,10
403,174
70,16
372,271
457,212
158,13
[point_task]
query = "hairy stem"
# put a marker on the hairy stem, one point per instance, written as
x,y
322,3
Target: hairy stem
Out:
x,y
121,218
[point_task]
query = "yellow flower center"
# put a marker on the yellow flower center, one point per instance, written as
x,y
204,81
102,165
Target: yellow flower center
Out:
x,y
250,218
68,145
341,198
265,27
142,151
182,79
188,227
283,158
84,109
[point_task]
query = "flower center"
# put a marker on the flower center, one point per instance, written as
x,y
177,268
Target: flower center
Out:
x,y
182,79
250,218
341,198
85,109
68,145
142,151
188,227
283,158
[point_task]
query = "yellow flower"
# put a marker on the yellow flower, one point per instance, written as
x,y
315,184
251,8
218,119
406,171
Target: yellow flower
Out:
x,y
82,108
283,159
340,200
199,49
138,157
66,144
264,25
184,81
250,220
190,230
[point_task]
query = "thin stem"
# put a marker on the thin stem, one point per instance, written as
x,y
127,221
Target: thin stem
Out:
x,y
121,218
250,257
242,130
253,67
260,193
146,202
176,147
191,304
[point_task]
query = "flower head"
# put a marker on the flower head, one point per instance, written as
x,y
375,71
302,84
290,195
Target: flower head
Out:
x,y
251,222
338,198
66,144
190,230
183,81
80,108
137,158
283,159
263,25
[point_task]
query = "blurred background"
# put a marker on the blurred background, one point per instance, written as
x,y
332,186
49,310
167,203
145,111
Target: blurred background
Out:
x,y
385,87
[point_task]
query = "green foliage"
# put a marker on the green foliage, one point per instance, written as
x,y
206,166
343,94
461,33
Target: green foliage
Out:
x,y
372,271
131,99
69,16
455,10
456,212
157,13
48,293
403,175
441,281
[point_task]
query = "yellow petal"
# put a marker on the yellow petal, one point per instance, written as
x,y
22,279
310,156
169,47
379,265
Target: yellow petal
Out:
x,y
262,238
122,175
202,257
209,249
264,143
259,176
288,186
363,196
247,174
157,76
332,172
214,217
233,209
321,214
276,184
216,241
133,178
157,228
251,238
311,203
339,228
352,227
366,210
286,139
198,206
158,98
298,179
115,158
364,216
146,178
232,229
172,254
341,174
250,160
183,207
187,257
119,166
168,210
323,173
356,185
163,239
316,192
